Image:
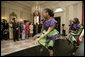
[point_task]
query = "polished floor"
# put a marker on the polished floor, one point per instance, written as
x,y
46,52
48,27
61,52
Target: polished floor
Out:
x,y
9,46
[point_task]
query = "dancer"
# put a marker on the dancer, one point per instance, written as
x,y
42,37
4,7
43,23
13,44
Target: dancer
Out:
x,y
80,50
50,34
75,30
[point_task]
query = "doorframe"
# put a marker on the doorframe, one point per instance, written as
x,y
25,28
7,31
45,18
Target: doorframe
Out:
x,y
59,23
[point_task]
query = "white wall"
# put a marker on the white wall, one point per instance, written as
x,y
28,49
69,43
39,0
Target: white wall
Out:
x,y
21,12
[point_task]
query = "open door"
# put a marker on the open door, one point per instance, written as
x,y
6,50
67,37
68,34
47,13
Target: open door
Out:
x,y
58,19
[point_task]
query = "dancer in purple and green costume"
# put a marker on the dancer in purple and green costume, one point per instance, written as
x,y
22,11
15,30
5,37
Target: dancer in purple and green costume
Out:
x,y
75,30
50,34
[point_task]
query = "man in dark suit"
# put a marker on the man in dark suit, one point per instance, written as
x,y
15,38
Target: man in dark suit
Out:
x,y
6,30
15,30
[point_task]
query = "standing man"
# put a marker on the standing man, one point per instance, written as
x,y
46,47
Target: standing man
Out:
x,y
6,30
15,30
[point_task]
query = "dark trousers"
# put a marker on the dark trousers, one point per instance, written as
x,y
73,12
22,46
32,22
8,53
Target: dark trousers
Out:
x,y
6,36
15,35
34,32
1,34
64,32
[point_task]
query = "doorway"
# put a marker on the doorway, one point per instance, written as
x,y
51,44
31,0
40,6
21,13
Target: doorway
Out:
x,y
58,19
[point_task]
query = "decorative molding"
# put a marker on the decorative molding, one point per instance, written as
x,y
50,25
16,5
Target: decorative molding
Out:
x,y
14,4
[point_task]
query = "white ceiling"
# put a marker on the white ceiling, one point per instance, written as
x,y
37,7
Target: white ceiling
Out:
x,y
33,3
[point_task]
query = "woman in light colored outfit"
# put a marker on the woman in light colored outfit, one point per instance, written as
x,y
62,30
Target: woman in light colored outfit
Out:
x,y
23,31
31,30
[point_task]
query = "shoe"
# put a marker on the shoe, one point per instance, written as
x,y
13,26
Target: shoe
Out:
x,y
41,49
73,53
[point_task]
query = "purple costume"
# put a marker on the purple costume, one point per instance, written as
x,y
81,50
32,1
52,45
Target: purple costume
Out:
x,y
49,24
74,28
51,37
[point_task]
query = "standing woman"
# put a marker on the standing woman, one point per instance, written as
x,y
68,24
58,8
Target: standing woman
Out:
x,y
27,29
23,30
31,30
50,34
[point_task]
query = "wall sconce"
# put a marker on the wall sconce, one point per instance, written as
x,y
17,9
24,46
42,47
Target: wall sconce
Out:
x,y
21,20
3,17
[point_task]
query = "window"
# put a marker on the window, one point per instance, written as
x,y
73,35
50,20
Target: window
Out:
x,y
58,10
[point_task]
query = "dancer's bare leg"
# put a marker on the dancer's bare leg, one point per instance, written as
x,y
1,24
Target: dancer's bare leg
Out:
x,y
51,52
41,49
